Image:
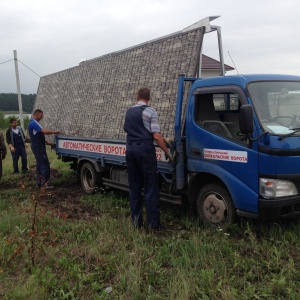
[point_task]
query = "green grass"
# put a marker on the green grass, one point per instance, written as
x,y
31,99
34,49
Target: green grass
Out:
x,y
103,257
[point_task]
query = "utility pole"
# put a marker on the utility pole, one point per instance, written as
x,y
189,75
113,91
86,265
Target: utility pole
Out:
x,y
19,92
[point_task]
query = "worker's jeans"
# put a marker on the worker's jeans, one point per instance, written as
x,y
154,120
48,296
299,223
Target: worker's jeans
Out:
x,y
42,168
142,171
20,151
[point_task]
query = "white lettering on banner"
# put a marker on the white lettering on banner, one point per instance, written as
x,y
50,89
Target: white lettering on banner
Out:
x,y
227,155
102,148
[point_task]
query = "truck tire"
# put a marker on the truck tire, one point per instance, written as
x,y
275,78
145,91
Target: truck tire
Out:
x,y
89,178
215,207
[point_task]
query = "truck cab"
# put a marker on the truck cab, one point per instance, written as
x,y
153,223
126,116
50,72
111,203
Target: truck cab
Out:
x,y
242,146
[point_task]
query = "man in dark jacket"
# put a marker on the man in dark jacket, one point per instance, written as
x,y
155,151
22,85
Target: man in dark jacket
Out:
x,y
15,139
3,151
142,128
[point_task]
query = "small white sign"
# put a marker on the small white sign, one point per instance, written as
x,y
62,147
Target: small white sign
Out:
x,y
227,155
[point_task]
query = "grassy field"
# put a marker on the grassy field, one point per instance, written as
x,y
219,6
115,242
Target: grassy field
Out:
x,y
64,245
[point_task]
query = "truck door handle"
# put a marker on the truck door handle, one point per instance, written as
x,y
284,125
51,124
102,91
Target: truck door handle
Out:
x,y
196,152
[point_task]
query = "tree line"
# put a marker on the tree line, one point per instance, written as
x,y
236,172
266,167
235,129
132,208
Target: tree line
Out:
x,y
9,102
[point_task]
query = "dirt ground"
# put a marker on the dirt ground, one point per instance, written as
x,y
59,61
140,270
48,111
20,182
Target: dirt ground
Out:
x,y
64,198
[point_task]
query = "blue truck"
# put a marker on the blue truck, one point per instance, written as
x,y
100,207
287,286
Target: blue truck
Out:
x,y
236,139
237,153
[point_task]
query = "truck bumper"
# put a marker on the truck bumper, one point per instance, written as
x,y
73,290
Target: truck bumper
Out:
x,y
287,207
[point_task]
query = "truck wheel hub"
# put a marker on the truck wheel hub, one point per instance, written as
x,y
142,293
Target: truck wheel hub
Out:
x,y
214,208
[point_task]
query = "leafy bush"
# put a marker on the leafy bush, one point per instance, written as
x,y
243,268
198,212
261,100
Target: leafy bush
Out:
x,y
5,121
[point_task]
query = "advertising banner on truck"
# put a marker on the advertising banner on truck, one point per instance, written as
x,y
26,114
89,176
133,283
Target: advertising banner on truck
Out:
x,y
101,148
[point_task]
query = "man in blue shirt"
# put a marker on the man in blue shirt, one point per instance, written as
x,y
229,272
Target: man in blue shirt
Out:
x,y
38,146
142,128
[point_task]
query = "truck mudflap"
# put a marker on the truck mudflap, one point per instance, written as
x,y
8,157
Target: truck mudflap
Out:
x,y
285,207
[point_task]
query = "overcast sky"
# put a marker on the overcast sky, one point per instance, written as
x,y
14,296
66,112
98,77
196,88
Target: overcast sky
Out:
x,y
262,36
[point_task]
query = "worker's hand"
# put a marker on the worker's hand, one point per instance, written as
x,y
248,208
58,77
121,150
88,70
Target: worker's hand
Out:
x,y
168,141
169,157
13,150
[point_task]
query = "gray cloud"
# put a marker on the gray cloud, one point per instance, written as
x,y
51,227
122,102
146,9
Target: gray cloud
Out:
x,y
51,36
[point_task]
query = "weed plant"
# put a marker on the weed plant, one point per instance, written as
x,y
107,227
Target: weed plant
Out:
x,y
104,257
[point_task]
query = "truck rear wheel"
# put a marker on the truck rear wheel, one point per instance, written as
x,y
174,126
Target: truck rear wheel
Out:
x,y
215,206
90,179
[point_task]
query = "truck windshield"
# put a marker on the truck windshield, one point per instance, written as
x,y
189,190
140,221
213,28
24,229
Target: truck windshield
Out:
x,y
277,105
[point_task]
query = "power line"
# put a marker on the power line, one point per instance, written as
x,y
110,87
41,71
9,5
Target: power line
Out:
x,y
29,68
5,61
22,64
233,63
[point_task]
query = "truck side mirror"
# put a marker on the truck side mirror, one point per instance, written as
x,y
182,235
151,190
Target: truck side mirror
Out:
x,y
246,119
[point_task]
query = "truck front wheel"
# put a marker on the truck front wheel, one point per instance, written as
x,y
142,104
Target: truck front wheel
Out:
x,y
215,206
89,178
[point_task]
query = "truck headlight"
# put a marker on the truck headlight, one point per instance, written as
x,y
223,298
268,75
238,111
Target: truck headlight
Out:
x,y
271,188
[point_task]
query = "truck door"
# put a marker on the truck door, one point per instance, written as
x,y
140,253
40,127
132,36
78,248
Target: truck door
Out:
x,y
215,146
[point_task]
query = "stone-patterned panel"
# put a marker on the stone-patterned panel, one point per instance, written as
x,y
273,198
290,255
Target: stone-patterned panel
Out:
x,y
90,100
